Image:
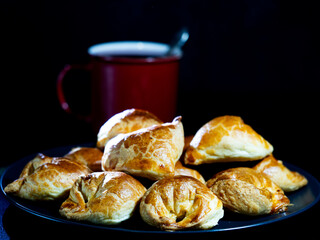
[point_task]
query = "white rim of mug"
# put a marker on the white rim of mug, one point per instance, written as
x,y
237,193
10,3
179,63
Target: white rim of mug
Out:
x,y
114,50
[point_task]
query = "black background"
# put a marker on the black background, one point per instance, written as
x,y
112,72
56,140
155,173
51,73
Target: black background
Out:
x,y
258,59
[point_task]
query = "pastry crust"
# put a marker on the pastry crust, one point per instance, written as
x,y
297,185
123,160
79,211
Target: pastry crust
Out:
x,y
245,191
125,122
187,141
46,178
149,152
180,202
182,170
91,157
103,198
287,180
226,139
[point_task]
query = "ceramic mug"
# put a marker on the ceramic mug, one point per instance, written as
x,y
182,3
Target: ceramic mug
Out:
x,y
128,74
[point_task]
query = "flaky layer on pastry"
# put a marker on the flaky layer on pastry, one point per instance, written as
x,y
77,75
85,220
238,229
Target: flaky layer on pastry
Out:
x,y
103,198
287,180
243,190
91,157
226,139
180,202
149,152
125,122
182,170
46,178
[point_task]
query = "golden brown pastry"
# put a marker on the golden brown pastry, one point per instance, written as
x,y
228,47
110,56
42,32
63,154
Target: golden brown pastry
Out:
x,y
103,198
287,180
226,139
182,170
149,152
187,140
91,157
180,202
46,178
243,190
125,122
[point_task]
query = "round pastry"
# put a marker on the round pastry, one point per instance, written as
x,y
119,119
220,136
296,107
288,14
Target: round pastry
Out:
x,y
149,152
125,122
46,178
91,157
287,180
103,198
243,190
180,202
226,139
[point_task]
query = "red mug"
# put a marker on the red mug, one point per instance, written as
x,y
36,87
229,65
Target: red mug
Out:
x,y
128,74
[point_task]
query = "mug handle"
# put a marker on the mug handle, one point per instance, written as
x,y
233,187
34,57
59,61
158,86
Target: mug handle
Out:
x,y
60,92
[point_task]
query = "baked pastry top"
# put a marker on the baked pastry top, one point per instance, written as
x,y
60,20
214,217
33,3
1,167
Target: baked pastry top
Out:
x,y
149,152
91,157
182,170
125,122
103,198
246,191
287,180
226,139
46,178
180,202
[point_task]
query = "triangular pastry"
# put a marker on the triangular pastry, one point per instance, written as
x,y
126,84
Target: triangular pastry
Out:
x,y
103,198
149,152
245,191
125,122
287,180
91,157
46,178
226,139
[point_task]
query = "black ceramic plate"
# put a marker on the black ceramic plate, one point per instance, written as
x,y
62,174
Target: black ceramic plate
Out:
x,y
302,200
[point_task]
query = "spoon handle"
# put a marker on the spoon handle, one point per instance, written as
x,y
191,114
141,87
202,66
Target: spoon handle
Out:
x,y
178,41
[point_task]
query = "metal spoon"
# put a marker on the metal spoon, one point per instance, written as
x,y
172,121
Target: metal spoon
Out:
x,y
178,41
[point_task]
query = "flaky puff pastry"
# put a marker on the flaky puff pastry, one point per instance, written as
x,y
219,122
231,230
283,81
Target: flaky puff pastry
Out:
x,y
287,180
103,198
46,178
226,139
149,152
91,157
243,190
182,170
125,122
180,202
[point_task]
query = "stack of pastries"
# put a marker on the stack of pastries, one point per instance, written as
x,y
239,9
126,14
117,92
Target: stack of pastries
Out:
x,y
139,165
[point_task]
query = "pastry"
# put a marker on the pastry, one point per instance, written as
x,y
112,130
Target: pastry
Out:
x,y
187,140
180,202
103,198
182,170
149,152
91,157
46,178
226,139
243,190
125,122
287,180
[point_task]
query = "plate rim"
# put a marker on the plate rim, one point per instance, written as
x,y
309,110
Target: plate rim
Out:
x,y
310,177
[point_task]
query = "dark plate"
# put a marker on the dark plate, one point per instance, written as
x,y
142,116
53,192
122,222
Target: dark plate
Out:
x,y
302,200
